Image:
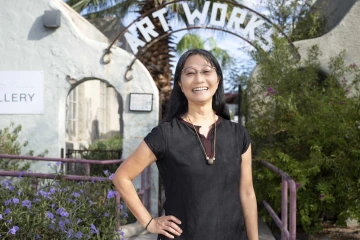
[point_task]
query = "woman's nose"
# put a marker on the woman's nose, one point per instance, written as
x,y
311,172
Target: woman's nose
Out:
x,y
199,77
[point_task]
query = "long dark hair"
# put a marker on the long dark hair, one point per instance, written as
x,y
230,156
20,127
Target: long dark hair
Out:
x,y
178,104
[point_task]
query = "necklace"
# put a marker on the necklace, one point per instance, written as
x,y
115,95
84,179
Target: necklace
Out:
x,y
208,159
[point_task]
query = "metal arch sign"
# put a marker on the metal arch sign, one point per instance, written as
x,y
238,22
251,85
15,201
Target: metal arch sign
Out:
x,y
236,25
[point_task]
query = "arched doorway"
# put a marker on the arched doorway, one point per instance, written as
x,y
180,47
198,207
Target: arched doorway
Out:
x,y
94,110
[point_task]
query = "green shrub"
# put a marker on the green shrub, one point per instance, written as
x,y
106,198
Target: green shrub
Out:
x,y
59,209
99,151
9,144
307,123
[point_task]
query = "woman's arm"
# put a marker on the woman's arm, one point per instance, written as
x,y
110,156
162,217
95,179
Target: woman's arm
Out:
x,y
124,175
247,196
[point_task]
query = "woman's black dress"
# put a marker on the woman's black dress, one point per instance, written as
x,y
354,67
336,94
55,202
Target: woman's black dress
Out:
x,y
204,197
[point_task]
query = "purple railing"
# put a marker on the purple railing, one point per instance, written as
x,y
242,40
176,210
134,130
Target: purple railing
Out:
x,y
145,191
287,182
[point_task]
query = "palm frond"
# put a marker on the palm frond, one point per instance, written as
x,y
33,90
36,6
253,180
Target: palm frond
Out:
x,y
189,41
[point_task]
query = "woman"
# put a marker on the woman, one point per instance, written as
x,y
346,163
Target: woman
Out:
x,y
203,158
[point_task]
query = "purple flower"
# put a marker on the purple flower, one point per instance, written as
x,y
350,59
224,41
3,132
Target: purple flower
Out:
x,y
19,192
353,65
70,233
93,229
71,200
111,194
126,215
52,190
11,188
75,194
62,212
106,172
57,163
61,224
297,185
0,216
7,202
44,194
342,103
49,215
15,201
271,90
106,214
111,176
7,211
121,206
78,221
78,235
37,237
21,173
52,205
91,202
26,203
13,230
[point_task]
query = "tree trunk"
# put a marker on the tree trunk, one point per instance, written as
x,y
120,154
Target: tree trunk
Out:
x,y
157,58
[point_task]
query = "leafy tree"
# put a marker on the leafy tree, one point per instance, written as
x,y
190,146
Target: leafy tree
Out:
x,y
296,18
306,122
9,144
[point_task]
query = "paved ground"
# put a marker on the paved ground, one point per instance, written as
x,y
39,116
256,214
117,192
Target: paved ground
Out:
x,y
264,234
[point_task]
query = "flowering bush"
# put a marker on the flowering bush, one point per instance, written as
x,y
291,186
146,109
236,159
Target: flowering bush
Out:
x,y
307,122
59,209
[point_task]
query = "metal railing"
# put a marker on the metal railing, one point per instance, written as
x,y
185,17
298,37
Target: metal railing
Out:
x,y
145,191
288,233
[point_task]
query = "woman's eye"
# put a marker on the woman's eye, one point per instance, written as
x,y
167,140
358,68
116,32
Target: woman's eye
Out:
x,y
190,73
206,72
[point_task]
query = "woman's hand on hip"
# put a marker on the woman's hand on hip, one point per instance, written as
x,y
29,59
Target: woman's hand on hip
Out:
x,y
165,225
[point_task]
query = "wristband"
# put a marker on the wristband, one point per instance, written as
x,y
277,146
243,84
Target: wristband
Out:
x,y
148,223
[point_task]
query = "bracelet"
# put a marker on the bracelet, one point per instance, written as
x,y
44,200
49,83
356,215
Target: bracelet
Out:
x,y
148,223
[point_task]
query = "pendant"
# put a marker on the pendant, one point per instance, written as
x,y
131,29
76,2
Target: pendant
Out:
x,y
210,160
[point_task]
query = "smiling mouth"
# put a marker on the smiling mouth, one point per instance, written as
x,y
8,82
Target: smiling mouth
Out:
x,y
200,89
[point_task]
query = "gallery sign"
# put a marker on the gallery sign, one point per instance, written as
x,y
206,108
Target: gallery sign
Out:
x,y
21,92
241,21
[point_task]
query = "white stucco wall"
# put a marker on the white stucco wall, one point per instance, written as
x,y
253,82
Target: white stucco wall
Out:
x,y
344,36
26,45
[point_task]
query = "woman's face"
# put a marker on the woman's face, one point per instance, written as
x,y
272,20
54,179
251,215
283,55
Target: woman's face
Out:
x,y
199,80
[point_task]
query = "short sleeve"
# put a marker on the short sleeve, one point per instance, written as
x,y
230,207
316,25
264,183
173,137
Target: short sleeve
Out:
x,y
245,139
156,142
